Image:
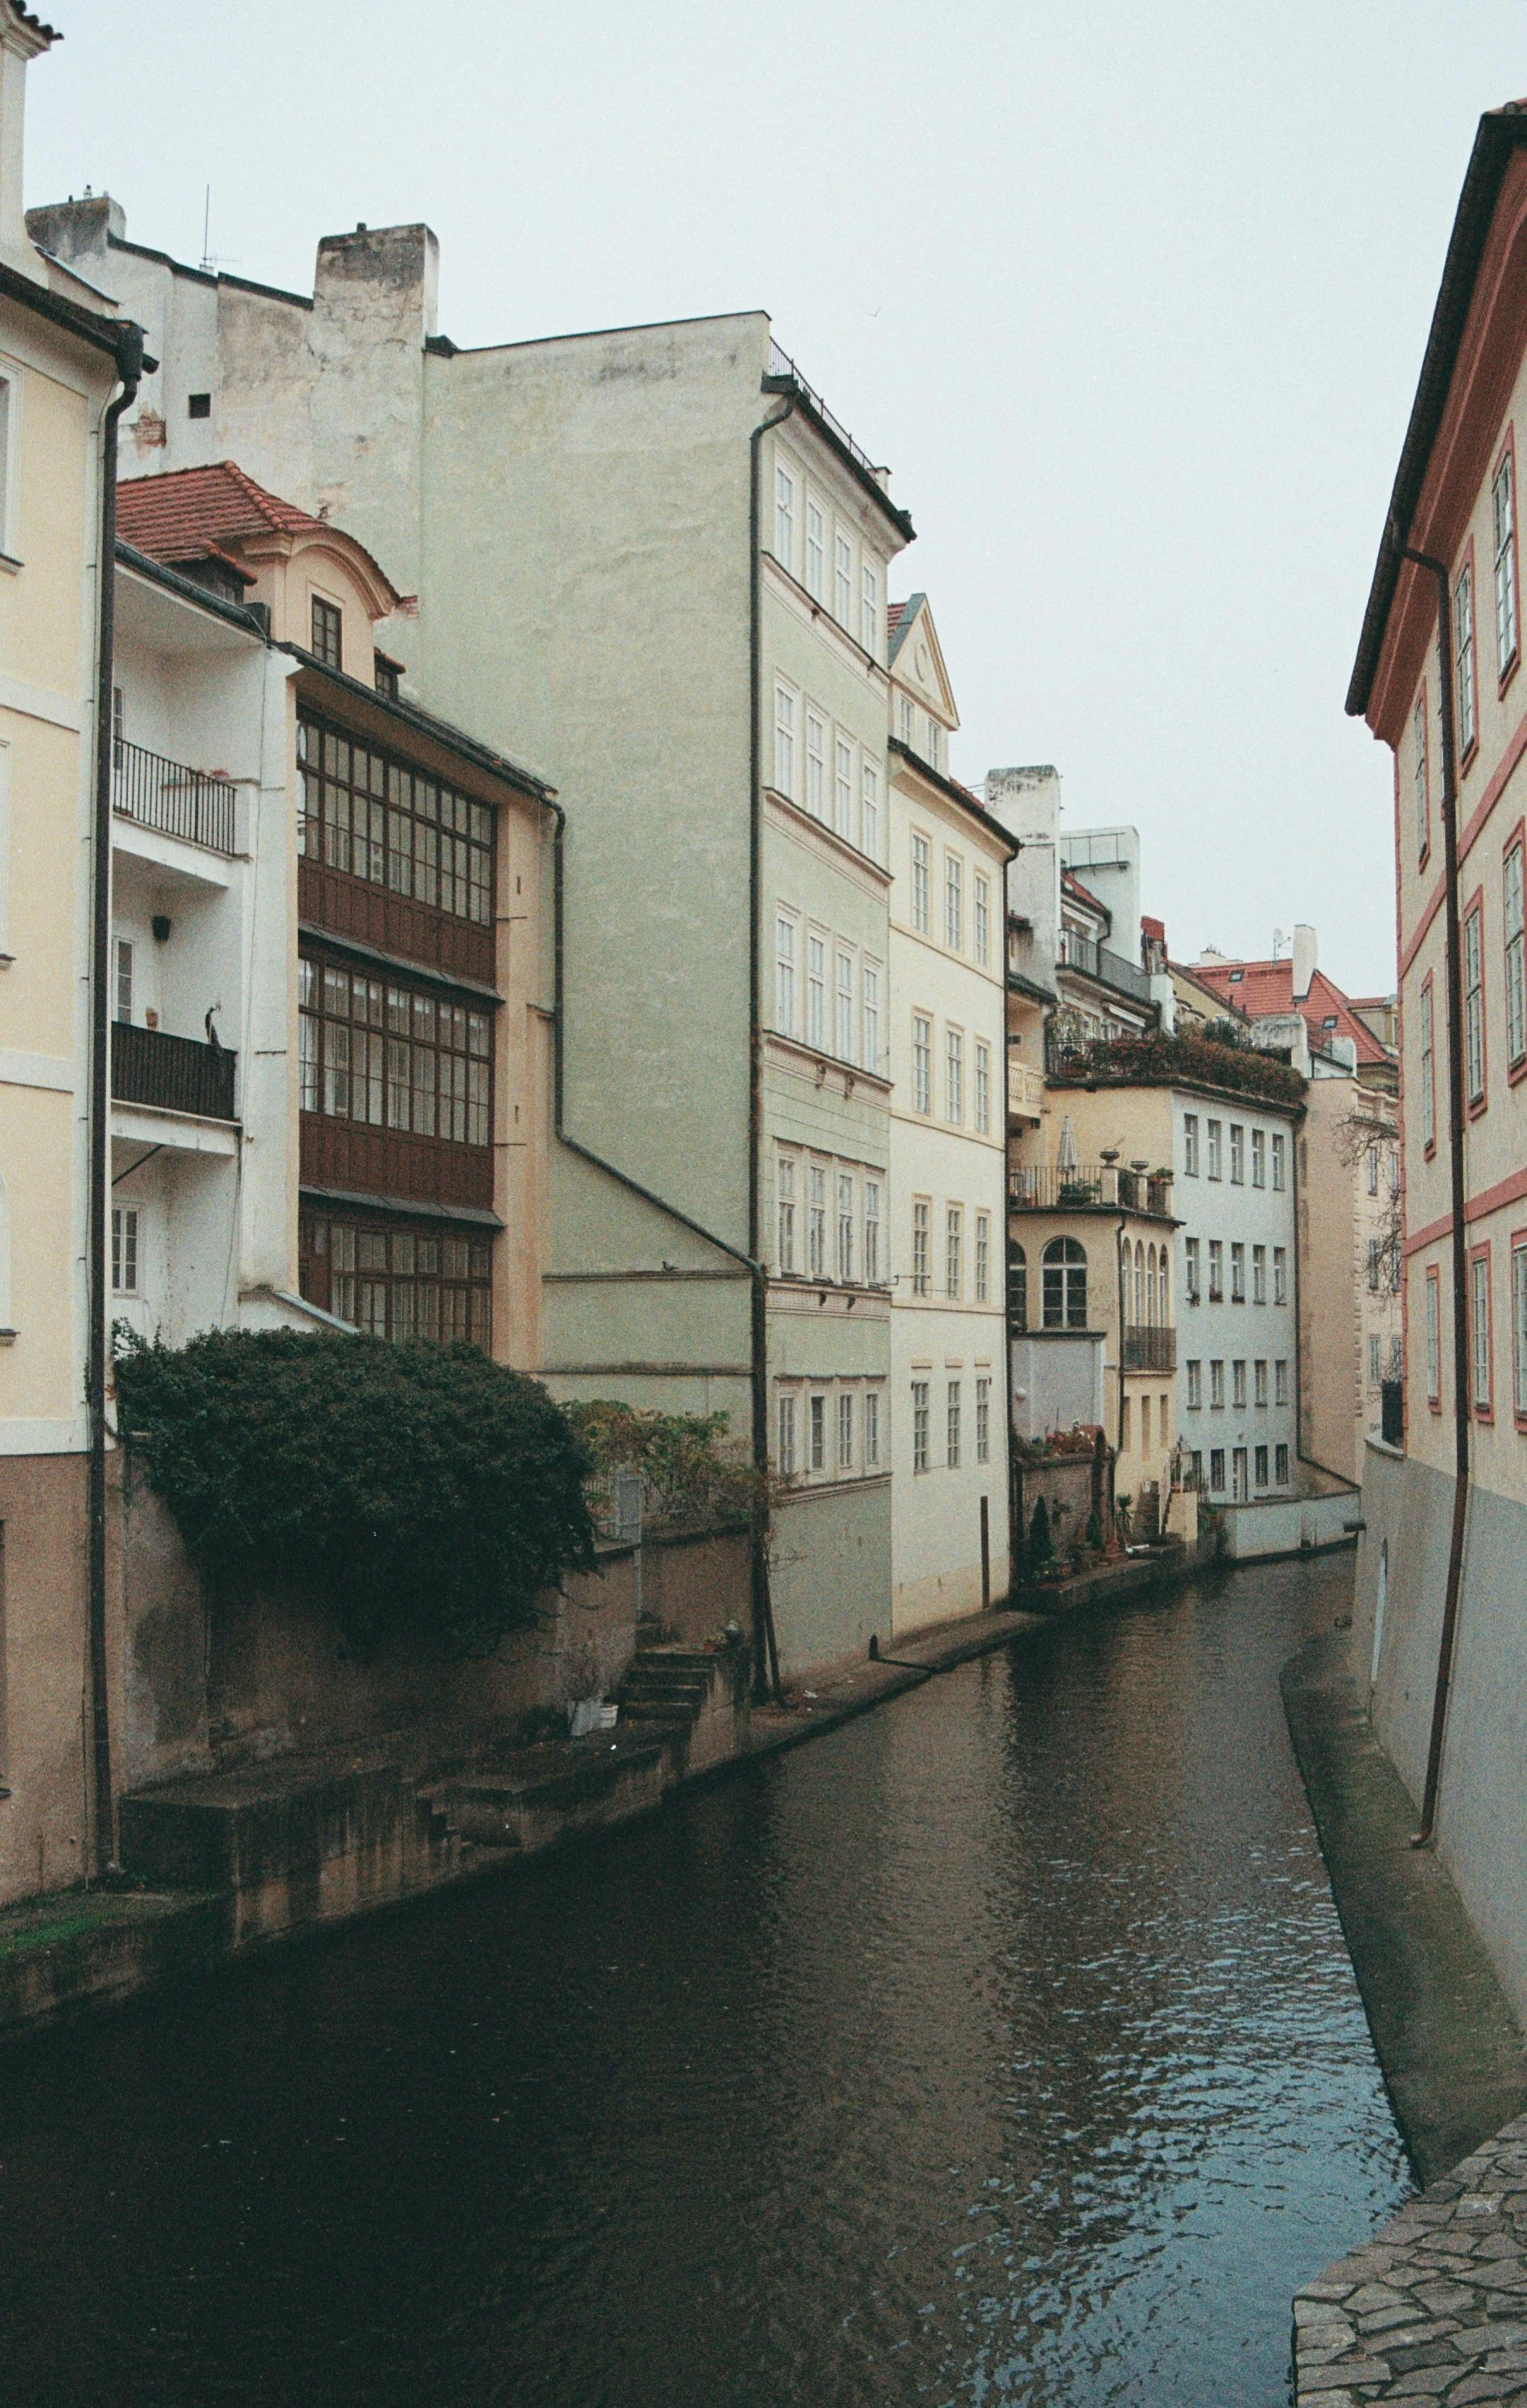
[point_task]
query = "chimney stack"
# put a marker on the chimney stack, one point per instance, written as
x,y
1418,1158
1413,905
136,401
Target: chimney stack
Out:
x,y
1304,959
21,39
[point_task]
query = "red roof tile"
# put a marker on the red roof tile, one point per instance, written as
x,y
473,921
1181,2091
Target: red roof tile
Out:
x,y
1263,987
189,513
1072,885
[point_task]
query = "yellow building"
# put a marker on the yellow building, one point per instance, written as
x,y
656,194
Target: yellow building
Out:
x,y
61,363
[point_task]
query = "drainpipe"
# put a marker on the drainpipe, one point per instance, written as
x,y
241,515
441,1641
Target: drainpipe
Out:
x,y
1123,1308
129,371
1438,571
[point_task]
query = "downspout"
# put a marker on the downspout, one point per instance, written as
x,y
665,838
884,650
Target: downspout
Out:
x,y
1124,1309
1454,972
129,371
587,1153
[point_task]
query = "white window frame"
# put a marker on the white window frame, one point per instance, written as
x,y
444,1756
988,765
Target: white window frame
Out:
x,y
816,1430
845,1217
955,902
816,579
846,1429
1189,1145
842,787
1516,968
870,1015
982,1258
872,1429
1519,1328
869,809
817,1220
1474,1004
1218,1384
123,979
785,1227
816,763
1280,1379
126,1250
1463,654
786,1435
842,1004
984,1419
1237,1153
12,386
784,513
1432,1281
982,1090
1421,775
786,702
842,579
1195,1385
1213,1150
921,1390
923,1063
1503,528
1259,1275
921,872
816,988
1428,1066
955,1077
954,1252
980,919
1259,1157
872,1233
1479,1332
1281,1275
951,1425
870,608
1280,1168
922,1239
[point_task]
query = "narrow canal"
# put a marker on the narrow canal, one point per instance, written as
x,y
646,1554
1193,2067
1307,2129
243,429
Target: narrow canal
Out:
x,y
999,2047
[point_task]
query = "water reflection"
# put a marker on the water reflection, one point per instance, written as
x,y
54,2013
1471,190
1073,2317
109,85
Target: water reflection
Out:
x,y
1001,2047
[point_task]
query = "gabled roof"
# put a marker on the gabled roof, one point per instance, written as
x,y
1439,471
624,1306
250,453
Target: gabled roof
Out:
x,y
1261,988
189,514
926,676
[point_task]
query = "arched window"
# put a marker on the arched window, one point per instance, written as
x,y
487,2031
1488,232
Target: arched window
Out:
x,y
1018,1286
1165,1307
1065,1284
1150,1286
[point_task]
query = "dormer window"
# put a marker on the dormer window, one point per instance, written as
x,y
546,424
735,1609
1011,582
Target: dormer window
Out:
x,y
328,623
387,674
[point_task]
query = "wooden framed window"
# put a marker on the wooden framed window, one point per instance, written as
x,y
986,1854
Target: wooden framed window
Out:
x,y
1481,1370
919,885
1428,1066
1434,1340
1463,654
1519,1325
923,1063
374,816
1421,775
1474,1005
327,630
124,1249
1503,530
1516,975
397,1279
394,1055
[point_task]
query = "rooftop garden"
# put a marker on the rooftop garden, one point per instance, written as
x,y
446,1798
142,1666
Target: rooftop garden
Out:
x,y
1162,1060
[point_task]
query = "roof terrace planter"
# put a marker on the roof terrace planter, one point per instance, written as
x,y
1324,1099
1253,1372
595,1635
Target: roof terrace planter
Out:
x,y
171,1074
1162,1061
192,804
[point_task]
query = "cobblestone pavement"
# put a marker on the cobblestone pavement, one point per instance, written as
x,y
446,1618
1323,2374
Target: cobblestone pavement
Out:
x,y
1434,2308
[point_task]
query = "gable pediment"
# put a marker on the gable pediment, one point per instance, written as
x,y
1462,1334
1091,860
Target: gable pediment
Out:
x,y
917,662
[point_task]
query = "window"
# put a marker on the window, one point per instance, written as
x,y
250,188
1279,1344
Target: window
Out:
x,y
923,1063
872,1429
385,675
1258,1157
1196,1387
785,976
1396,1358
787,1450
1191,1145
124,1249
394,1057
954,1076
1261,1466
326,625
921,1267
122,1000
1217,1271
1428,1070
842,787
785,1189
1213,1149
785,740
954,902
845,1227
843,581
1190,1268
1280,1456
982,1088
1018,1286
1421,775
1217,1470
869,785
1259,1275
843,1030
1394,1170
1278,1143
816,1429
981,918
984,1421
872,1233
1479,1332
1237,1274
953,1237
1280,1383
845,1429
919,1425
1125,1440
1463,652
1281,1275
1217,1386
815,765
1065,1270
951,1425
816,551
1375,1367
1372,1170
817,1221
983,1258
1195,1462
933,753
870,611
919,885
1238,1386
1516,983
197,404
1519,1327
1503,517
1374,1253
1433,1337
397,1282
1237,1154
1240,1487
1259,1383
815,990
1474,1005
904,718
870,1005
371,816
784,518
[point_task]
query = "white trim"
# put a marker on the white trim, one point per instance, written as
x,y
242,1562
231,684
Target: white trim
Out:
x,y
176,1132
5,851
21,1436
169,853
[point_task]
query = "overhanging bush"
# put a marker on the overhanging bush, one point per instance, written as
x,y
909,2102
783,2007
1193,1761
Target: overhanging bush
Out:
x,y
694,1475
412,1487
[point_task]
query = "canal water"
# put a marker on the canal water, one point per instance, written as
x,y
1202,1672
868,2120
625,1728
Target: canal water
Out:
x,y
1000,2047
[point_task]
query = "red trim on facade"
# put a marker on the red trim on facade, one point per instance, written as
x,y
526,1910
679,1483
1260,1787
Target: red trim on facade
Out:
x,y
1507,450
1469,838
1486,1411
1490,1199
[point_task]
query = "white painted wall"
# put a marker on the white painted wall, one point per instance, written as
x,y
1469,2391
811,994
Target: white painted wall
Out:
x,y
1235,1213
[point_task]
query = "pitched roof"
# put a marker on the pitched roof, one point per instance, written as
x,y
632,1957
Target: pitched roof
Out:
x,y
189,512
1261,988
1072,885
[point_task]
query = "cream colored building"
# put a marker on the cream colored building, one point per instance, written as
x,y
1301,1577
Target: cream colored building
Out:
x,y
949,1537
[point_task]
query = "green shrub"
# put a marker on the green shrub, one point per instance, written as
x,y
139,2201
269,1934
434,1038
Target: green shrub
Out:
x,y
1093,1534
1041,1547
695,1478
413,1488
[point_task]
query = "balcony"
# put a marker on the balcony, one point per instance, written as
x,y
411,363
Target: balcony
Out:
x,y
178,801
1109,969
1025,1090
1149,1349
1088,1186
171,1074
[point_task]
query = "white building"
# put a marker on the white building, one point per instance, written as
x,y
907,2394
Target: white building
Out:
x,y
1237,1311
949,1543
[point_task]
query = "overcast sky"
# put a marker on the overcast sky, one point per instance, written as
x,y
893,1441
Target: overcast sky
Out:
x,y
1133,300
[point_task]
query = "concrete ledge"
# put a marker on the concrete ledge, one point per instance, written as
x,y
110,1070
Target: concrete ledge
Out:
x,y
68,1953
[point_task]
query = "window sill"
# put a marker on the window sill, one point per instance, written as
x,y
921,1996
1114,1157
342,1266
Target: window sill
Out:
x,y
1509,671
1467,759
1478,1108
1516,1072
824,828
1429,1150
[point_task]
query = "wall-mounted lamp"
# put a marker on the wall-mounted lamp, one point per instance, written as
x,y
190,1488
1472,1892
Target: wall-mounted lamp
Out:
x,y
161,925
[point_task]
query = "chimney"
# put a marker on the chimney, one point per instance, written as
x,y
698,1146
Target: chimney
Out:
x,y
1304,959
21,39
74,230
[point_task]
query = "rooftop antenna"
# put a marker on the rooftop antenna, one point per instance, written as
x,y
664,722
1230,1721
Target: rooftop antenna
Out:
x,y
1279,940
210,264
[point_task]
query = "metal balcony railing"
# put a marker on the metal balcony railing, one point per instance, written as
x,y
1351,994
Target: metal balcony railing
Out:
x,y
172,1074
1111,970
165,794
1149,1349
782,364
1052,1187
